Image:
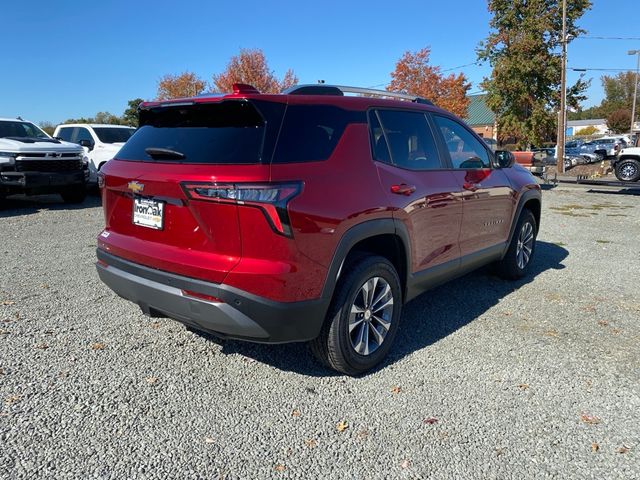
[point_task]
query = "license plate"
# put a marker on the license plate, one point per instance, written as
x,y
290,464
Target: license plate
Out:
x,y
148,213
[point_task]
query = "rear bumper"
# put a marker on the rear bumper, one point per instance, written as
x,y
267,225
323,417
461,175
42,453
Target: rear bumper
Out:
x,y
237,314
40,182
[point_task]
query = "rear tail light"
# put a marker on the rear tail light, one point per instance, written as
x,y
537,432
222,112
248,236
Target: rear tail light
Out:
x,y
271,198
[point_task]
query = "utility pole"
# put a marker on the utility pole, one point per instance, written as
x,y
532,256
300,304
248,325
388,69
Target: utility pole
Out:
x,y
635,91
563,93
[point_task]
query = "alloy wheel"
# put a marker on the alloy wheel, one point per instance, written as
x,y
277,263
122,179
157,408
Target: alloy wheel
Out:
x,y
525,245
370,316
628,171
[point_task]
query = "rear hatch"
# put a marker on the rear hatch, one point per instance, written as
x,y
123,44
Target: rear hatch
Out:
x,y
170,196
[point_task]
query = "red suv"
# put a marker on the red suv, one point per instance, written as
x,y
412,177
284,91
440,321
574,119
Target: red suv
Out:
x,y
307,216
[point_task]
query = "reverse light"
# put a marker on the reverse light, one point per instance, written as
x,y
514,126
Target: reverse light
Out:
x,y
271,198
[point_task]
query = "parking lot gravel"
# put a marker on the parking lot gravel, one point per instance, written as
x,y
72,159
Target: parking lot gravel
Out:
x,y
487,379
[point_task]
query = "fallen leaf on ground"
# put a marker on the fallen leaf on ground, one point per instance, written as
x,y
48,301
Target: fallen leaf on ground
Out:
x,y
603,323
8,302
342,426
595,447
41,346
589,419
152,380
155,324
623,449
311,443
405,464
395,390
362,434
295,412
551,333
499,451
97,346
430,420
523,386
616,331
279,468
209,440
12,399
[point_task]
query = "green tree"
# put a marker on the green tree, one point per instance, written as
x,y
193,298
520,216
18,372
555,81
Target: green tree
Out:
x,y
523,50
619,121
47,127
130,115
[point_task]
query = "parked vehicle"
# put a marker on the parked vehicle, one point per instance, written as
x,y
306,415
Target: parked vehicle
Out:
x,y
307,216
626,165
100,142
606,147
33,163
532,161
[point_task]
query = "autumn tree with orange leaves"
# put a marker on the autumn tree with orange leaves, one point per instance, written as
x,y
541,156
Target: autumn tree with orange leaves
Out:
x,y
250,67
414,75
186,84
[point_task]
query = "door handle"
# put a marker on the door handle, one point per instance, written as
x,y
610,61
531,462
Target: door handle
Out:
x,y
471,186
403,189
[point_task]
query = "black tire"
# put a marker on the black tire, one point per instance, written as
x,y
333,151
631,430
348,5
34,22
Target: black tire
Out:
x,y
74,194
628,170
334,346
511,267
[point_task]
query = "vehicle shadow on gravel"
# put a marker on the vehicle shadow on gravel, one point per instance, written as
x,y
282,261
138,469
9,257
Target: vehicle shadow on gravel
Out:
x,y
425,320
19,205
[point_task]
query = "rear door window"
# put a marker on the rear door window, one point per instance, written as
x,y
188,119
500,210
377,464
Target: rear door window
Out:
x,y
404,139
229,132
310,133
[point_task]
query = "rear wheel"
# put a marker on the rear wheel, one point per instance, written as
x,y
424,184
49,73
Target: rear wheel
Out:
x,y
517,260
363,318
628,170
74,194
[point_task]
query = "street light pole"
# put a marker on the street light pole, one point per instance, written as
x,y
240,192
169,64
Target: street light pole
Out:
x,y
563,93
635,90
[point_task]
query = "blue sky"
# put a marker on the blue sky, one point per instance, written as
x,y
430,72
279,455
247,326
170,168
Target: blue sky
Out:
x,y
74,58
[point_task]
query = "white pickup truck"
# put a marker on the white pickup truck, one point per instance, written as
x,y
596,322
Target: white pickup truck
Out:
x,y
101,142
33,163
627,164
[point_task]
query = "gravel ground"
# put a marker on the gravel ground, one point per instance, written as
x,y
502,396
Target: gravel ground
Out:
x,y
535,379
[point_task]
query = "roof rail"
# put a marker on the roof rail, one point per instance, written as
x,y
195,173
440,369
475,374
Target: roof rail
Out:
x,y
323,89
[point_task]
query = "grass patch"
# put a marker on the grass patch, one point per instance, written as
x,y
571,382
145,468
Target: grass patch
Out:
x,y
603,241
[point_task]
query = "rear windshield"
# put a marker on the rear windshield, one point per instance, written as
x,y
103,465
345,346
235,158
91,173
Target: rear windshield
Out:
x,y
231,132
113,134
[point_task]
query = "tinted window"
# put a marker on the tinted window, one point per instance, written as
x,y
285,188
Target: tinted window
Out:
x,y
113,134
409,138
65,133
229,132
466,150
82,134
310,133
20,130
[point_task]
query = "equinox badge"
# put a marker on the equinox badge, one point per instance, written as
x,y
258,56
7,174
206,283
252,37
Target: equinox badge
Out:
x,y
135,187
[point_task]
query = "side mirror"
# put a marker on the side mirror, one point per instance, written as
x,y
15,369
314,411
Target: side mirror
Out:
x,y
504,158
86,143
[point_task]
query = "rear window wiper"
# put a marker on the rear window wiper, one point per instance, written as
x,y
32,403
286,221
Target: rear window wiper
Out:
x,y
159,153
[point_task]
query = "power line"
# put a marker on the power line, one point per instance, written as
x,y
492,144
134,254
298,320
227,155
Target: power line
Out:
x,y
441,71
584,69
593,37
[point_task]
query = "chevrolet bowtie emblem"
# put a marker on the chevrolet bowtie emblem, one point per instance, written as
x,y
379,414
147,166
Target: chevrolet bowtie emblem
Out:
x,y
135,187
